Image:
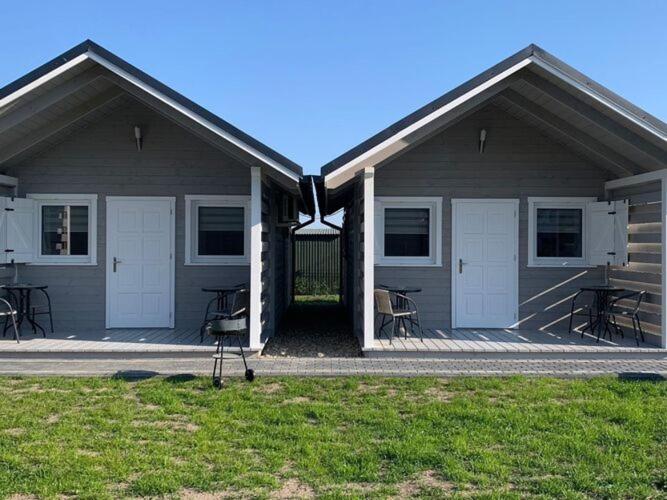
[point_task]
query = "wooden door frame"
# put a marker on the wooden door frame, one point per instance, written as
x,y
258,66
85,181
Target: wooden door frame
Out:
x,y
172,249
453,245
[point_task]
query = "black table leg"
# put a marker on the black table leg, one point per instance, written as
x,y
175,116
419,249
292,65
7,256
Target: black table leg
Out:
x,y
32,322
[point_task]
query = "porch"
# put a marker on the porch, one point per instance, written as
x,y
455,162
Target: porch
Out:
x,y
134,341
509,343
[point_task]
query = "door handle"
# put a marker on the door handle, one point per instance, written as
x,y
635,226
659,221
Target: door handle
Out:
x,y
460,266
115,263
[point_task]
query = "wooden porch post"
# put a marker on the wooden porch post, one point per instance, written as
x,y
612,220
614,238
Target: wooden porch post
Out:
x,y
255,328
369,255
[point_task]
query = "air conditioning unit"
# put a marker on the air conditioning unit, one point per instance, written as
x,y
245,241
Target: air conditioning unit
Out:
x,y
289,210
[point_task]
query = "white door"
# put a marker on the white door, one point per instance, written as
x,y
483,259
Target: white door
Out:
x,y
484,263
140,266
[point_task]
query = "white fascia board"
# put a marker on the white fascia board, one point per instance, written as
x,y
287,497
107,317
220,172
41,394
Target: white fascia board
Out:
x,y
634,180
358,162
194,116
42,80
637,120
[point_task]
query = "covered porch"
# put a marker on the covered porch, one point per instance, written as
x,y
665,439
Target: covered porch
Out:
x,y
129,341
509,343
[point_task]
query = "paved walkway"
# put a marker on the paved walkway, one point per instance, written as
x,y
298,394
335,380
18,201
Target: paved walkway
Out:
x,y
327,367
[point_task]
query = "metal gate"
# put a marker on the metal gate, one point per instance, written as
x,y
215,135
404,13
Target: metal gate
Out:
x,y
317,262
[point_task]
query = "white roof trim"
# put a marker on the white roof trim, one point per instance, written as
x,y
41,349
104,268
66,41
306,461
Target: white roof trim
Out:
x,y
358,161
330,180
42,80
158,95
637,120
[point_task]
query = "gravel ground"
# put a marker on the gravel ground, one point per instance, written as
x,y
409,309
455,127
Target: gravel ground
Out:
x,y
314,330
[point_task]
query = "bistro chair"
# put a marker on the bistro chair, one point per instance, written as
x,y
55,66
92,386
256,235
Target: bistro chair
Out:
x,y
397,316
631,312
221,329
221,308
585,309
9,312
42,308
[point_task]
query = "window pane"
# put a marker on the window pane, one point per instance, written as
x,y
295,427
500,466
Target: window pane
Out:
x,y
559,232
64,230
406,232
221,231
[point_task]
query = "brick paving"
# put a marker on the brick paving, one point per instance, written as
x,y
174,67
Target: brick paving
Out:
x,y
328,367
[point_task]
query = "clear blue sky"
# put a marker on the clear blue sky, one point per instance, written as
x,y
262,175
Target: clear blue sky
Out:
x,y
313,78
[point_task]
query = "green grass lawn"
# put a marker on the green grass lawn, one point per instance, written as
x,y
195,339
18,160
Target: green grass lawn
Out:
x,y
333,438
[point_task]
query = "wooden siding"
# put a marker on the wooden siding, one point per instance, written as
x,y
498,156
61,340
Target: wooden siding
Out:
x,y
644,269
518,162
103,159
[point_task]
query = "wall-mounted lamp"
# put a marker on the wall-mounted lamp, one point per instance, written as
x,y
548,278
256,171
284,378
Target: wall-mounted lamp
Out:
x,y
482,139
138,137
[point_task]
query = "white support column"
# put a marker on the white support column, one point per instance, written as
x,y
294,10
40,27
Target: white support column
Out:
x,y
663,240
255,328
369,256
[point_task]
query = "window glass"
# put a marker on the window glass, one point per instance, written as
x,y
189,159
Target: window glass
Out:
x,y
220,230
406,232
559,232
64,230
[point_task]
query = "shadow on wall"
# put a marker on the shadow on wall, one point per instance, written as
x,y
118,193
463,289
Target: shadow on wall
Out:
x,y
559,297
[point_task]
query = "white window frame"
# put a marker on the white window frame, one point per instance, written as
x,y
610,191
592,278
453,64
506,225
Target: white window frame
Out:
x,y
192,204
557,202
80,200
434,206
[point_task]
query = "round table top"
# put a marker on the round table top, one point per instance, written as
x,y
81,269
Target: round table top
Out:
x,y
224,289
403,290
24,286
602,288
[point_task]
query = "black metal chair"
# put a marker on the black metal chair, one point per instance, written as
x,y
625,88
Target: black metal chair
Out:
x,y
221,310
585,310
42,308
403,313
9,312
220,329
631,312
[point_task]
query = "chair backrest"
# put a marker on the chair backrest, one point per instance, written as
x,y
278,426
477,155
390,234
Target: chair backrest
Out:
x,y
240,302
222,326
383,302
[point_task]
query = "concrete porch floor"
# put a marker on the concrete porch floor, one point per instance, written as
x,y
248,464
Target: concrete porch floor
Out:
x,y
130,340
529,343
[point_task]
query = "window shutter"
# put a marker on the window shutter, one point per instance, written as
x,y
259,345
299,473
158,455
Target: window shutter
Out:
x,y
600,233
20,234
3,230
621,233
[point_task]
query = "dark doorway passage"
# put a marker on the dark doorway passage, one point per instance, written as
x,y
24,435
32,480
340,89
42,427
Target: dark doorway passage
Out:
x,y
314,327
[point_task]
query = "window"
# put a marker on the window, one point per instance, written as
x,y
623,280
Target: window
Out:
x,y
558,231
408,231
217,230
66,228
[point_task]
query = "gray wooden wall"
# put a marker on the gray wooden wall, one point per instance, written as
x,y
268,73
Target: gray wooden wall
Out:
x,y
518,162
103,159
644,269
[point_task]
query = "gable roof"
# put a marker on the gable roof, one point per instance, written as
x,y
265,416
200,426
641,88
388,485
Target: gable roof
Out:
x,y
594,102
88,51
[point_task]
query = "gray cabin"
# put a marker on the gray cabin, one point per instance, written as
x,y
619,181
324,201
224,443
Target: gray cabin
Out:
x,y
501,199
126,199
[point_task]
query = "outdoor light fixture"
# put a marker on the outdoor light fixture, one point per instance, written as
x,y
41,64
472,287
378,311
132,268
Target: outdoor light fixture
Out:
x,y
482,139
137,137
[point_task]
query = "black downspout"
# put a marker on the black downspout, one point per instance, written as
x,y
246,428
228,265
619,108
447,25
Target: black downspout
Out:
x,y
340,250
292,233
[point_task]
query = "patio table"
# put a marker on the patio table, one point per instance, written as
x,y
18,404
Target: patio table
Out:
x,y
602,295
22,294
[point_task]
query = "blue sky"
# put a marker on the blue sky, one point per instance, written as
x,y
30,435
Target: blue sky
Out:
x,y
313,78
